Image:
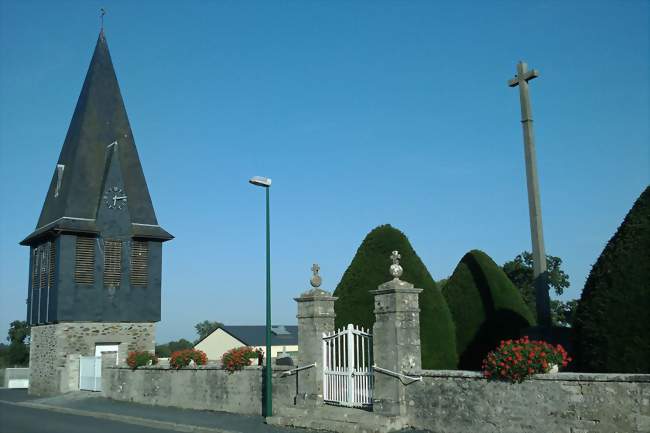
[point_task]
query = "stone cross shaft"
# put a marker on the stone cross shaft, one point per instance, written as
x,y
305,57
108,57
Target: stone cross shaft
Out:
x,y
534,204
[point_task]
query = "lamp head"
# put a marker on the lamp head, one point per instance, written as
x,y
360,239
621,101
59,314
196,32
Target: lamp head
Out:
x,y
261,181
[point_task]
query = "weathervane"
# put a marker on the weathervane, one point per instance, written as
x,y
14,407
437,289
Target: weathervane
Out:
x,y
315,279
102,12
395,269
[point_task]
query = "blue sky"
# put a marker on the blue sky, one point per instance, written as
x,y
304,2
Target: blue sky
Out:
x,y
362,113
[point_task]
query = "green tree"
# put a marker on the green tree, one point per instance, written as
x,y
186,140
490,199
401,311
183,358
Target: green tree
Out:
x,y
18,331
370,268
562,313
442,283
205,328
165,350
486,308
612,325
17,353
4,362
520,272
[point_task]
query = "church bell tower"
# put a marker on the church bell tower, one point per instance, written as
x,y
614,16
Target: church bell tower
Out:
x,y
95,255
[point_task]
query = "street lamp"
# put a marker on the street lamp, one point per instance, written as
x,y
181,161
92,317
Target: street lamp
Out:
x,y
266,184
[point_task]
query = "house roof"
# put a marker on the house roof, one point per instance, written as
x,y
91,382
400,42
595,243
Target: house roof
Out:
x,y
75,192
281,335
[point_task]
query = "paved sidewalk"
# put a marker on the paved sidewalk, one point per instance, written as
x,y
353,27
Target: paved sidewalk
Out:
x,y
168,418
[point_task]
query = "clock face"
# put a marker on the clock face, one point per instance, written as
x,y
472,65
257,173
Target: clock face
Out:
x,y
115,198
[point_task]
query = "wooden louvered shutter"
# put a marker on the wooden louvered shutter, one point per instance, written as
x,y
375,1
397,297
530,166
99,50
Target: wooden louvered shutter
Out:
x,y
43,263
84,263
50,271
139,263
112,263
35,269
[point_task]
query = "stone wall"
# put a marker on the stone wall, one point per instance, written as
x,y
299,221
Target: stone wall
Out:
x,y
44,361
444,401
9,374
453,401
52,371
204,387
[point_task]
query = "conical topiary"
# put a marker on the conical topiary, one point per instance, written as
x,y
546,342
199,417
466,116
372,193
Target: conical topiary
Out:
x,y
612,321
369,269
486,308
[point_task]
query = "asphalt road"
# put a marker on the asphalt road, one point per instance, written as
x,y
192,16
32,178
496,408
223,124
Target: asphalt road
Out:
x,y
18,419
86,412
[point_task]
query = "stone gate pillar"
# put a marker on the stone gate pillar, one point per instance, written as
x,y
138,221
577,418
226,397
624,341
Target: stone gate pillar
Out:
x,y
396,340
315,317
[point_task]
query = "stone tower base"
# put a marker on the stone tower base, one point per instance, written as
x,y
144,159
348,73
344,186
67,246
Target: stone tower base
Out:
x,y
55,349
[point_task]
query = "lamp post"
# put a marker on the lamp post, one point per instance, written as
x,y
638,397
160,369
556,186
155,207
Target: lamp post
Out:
x,y
266,184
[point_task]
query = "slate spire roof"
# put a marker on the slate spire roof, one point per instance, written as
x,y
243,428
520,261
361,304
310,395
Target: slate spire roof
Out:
x,y
76,189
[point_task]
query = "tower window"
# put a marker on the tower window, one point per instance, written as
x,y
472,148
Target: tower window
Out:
x,y
112,263
139,261
84,263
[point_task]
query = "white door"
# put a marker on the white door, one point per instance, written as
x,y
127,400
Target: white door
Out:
x,y
90,373
102,348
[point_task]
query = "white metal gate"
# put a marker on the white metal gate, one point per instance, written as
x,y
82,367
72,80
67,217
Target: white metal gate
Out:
x,y
90,373
347,367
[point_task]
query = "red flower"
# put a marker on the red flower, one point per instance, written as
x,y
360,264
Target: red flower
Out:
x,y
182,358
516,360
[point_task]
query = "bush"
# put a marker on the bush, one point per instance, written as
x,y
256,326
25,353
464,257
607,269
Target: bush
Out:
x,y
138,359
370,268
182,358
517,360
239,357
486,308
611,325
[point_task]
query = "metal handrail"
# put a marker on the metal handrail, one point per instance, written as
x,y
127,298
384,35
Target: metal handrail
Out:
x,y
295,370
396,374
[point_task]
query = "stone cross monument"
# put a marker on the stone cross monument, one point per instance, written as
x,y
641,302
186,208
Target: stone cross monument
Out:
x,y
534,205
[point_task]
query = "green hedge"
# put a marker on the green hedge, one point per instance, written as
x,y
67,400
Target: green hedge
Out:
x,y
486,308
612,322
370,268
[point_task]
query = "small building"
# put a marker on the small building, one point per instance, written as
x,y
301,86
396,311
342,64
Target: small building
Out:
x,y
284,340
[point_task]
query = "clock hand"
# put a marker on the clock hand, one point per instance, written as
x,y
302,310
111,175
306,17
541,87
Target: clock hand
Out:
x,y
114,199
121,198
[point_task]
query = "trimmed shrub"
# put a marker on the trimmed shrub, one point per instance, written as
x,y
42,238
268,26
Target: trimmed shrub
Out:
x,y
517,360
182,358
612,321
370,268
139,359
239,357
486,308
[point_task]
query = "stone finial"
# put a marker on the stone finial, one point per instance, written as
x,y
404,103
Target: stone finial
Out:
x,y
316,290
315,279
395,269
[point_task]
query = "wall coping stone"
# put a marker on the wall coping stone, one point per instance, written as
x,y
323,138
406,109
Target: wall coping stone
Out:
x,y
395,286
553,377
198,367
